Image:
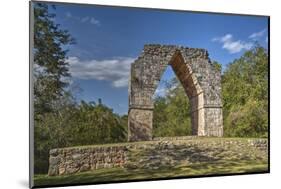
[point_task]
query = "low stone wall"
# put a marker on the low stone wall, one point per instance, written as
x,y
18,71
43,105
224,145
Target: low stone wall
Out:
x,y
78,159
157,154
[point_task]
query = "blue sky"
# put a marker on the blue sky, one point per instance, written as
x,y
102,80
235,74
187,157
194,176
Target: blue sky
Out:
x,y
110,38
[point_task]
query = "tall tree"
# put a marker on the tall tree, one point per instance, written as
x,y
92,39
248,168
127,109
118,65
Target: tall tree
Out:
x,y
245,95
50,71
50,66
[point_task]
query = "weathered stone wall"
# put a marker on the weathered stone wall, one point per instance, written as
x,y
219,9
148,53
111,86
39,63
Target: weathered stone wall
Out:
x,y
71,160
160,153
200,79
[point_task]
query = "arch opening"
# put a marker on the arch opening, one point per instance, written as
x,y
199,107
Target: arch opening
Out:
x,y
171,113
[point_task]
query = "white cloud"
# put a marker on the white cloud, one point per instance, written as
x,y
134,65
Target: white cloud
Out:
x,y
117,70
86,19
233,46
94,21
160,91
257,34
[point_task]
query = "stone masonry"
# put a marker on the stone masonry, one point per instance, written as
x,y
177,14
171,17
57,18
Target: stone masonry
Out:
x,y
64,161
198,76
161,153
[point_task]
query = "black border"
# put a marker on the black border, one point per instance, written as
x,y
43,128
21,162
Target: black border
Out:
x,y
31,109
31,125
268,113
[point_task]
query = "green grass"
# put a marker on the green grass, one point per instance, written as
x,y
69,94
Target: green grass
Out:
x,y
233,160
120,174
198,138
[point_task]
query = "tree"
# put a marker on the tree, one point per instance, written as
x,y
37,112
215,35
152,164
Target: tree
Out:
x,y
50,71
50,66
217,66
86,123
172,112
245,95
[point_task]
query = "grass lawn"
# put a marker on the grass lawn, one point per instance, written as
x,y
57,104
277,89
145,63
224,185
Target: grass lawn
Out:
x,y
212,156
120,174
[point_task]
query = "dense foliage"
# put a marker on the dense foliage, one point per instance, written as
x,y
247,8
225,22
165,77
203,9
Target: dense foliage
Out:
x,y
76,124
60,121
172,112
245,95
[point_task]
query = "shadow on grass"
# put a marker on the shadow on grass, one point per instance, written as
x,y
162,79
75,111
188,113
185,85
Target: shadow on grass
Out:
x,y
121,174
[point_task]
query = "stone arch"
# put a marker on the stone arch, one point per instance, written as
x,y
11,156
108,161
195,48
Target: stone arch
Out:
x,y
201,81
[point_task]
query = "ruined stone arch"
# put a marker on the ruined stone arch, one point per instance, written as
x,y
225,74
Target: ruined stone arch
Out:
x,y
198,76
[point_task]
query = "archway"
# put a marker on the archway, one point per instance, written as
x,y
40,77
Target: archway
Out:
x,y
199,78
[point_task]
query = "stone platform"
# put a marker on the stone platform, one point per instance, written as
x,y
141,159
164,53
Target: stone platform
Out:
x,y
161,153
